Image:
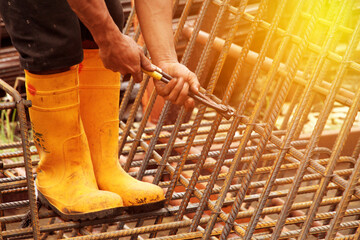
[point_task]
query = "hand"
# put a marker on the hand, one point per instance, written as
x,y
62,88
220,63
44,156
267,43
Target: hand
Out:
x,y
122,54
177,89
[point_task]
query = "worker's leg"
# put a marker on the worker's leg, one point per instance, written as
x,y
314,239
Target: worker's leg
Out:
x,y
99,101
47,35
99,107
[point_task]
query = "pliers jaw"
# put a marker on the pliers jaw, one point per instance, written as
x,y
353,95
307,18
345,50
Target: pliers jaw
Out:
x,y
230,113
226,111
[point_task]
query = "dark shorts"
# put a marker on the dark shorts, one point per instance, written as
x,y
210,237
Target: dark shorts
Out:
x,y
48,34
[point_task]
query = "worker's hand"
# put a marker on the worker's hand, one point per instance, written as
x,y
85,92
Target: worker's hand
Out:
x,y
117,51
122,54
177,89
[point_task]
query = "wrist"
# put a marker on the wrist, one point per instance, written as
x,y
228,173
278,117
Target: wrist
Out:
x,y
106,32
164,61
163,56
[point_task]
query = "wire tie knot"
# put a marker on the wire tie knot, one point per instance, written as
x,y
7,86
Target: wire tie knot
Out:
x,y
217,213
329,176
285,148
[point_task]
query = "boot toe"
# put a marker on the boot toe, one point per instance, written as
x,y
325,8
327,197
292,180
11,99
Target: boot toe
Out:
x,y
142,193
87,206
94,202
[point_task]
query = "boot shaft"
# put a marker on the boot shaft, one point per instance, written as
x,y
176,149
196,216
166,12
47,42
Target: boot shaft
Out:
x,y
57,127
99,107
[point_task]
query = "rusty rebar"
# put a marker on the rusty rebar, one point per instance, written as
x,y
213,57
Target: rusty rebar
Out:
x,y
20,106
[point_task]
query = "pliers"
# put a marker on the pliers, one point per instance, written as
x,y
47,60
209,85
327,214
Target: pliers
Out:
x,y
225,110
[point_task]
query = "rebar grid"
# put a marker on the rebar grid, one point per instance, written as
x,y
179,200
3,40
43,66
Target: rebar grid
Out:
x,y
261,175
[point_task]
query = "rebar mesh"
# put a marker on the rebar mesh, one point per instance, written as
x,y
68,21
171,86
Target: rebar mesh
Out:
x,y
285,167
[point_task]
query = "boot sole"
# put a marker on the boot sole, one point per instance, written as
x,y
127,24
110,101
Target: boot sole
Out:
x,y
145,207
112,212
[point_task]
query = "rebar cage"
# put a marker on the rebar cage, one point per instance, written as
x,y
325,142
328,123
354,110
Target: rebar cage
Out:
x,y
285,167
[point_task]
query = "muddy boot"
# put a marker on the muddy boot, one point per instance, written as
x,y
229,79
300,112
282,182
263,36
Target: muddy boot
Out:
x,y
65,176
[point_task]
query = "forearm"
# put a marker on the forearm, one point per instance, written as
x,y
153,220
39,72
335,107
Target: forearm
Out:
x,y
118,52
155,19
95,16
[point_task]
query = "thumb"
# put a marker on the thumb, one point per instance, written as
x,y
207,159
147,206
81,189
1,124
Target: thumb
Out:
x,y
146,64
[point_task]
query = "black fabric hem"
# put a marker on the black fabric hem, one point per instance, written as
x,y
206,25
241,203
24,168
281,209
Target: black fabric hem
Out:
x,y
53,64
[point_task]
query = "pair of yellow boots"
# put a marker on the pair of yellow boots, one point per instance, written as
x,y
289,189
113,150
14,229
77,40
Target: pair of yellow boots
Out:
x,y
75,124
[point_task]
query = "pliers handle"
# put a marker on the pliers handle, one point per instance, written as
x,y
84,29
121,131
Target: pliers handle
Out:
x,y
225,110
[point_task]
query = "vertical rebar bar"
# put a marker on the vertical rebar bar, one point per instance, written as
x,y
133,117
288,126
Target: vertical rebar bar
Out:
x,y
269,126
20,106
217,121
140,130
345,200
209,43
253,163
291,197
339,143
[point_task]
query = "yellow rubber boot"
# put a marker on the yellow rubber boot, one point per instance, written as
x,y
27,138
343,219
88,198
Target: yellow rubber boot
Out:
x,y
99,107
65,176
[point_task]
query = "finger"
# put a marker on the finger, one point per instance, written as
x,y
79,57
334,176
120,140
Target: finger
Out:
x,y
183,94
193,81
189,104
146,63
164,89
176,90
138,76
